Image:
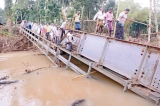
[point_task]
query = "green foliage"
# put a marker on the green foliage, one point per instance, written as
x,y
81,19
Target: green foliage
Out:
x,y
50,11
37,11
70,13
8,7
136,13
110,3
53,11
141,16
65,2
91,7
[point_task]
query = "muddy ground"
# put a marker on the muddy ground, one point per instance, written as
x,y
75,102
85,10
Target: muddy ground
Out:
x,y
15,43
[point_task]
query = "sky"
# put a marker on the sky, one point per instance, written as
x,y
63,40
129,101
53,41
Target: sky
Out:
x,y
143,3
2,4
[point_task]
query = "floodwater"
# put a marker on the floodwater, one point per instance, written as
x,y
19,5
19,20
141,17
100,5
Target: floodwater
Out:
x,y
54,86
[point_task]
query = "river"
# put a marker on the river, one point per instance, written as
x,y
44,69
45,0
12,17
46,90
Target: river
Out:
x,y
55,86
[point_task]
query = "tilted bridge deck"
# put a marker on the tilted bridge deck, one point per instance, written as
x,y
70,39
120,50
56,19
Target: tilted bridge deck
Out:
x,y
135,66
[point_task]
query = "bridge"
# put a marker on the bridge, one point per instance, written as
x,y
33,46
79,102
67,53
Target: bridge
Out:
x,y
135,66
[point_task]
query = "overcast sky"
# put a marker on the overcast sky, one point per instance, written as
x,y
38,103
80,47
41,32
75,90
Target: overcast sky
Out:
x,y
2,4
143,3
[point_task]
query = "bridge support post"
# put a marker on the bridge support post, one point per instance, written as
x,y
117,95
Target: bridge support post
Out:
x,y
69,59
103,52
48,48
89,70
42,44
57,53
38,39
157,101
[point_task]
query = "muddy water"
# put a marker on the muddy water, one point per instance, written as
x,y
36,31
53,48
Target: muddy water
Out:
x,y
53,86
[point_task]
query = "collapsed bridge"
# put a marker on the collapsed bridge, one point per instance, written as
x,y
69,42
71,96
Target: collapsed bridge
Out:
x,y
135,66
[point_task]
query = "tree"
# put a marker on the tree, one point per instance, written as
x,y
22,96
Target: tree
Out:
x,y
90,7
110,3
135,28
37,11
8,12
65,2
136,13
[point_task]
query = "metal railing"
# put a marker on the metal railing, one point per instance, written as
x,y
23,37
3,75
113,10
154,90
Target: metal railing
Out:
x,y
131,64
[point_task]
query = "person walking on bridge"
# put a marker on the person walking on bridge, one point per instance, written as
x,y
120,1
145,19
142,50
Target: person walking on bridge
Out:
x,y
100,20
109,20
77,18
120,24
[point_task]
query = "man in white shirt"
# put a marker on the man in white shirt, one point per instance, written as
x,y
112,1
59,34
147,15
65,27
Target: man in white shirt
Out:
x,y
120,24
51,33
63,26
100,16
69,40
38,29
57,36
54,29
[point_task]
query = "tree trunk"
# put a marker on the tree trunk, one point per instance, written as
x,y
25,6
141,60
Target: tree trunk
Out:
x,y
9,25
88,14
150,21
156,22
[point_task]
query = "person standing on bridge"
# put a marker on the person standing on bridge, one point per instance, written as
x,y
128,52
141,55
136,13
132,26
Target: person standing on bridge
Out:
x,y
77,18
120,24
63,26
48,31
109,20
43,30
100,20
69,40
58,36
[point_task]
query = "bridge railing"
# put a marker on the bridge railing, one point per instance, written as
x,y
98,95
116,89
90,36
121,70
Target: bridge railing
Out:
x,y
131,64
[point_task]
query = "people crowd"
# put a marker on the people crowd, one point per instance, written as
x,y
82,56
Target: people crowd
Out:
x,y
56,34
51,32
107,19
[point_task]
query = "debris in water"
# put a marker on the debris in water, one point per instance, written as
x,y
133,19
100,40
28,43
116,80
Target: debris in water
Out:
x,y
8,82
4,78
77,102
82,75
29,71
